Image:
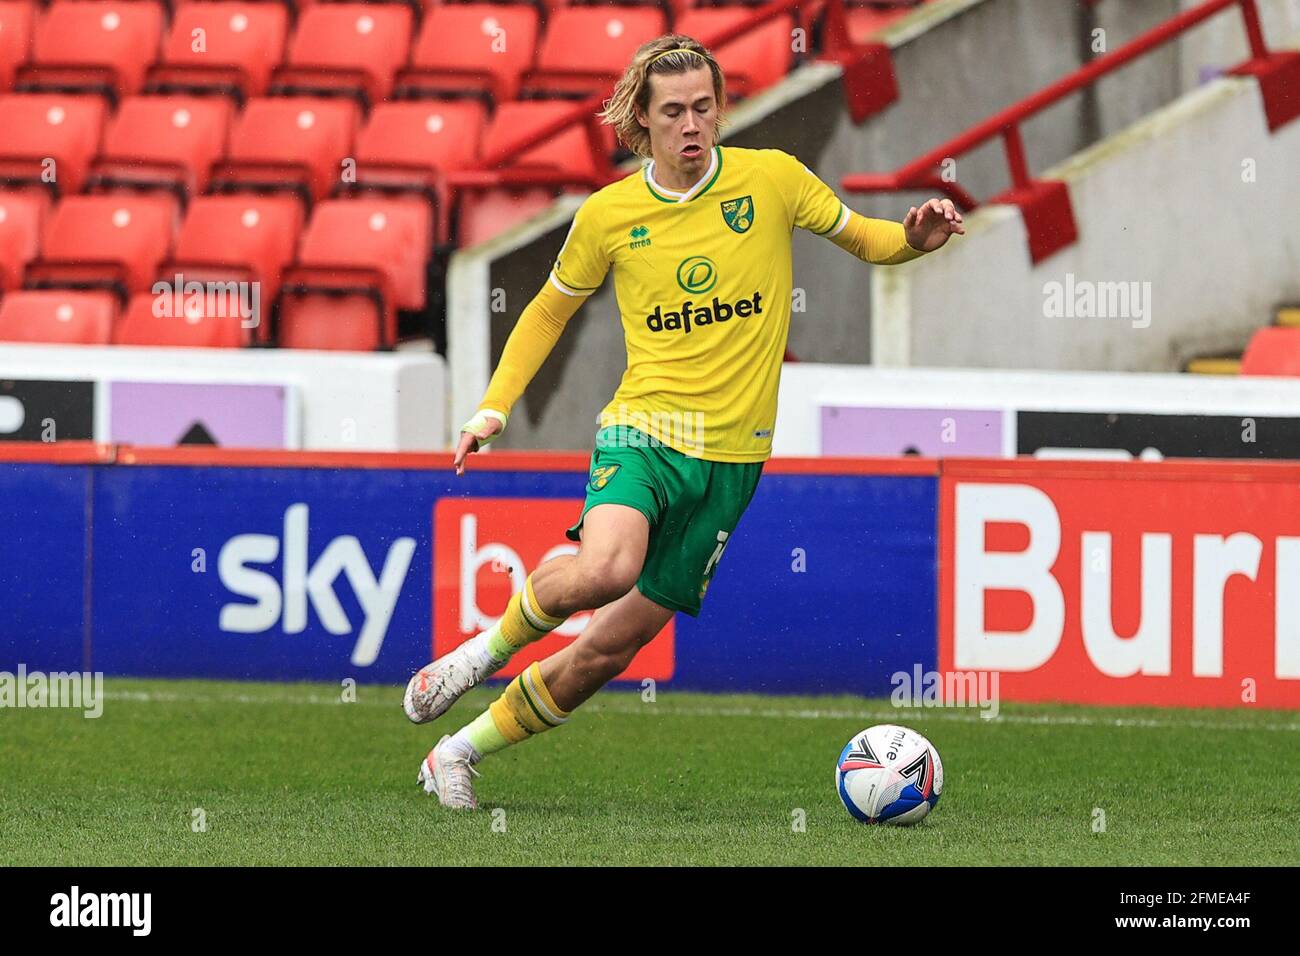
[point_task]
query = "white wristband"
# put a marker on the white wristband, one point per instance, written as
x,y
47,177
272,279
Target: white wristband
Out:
x,y
479,423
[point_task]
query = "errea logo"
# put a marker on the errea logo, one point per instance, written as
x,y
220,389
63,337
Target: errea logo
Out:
x,y
640,237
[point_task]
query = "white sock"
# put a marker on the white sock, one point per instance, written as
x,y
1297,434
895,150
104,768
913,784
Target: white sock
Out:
x,y
460,746
480,653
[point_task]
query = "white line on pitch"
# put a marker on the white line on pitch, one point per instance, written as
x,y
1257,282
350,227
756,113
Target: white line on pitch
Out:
x,y
901,714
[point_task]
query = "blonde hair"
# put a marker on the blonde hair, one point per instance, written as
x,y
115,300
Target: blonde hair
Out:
x,y
665,56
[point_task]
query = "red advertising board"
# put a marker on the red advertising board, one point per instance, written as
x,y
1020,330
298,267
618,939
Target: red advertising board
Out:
x,y
1161,583
484,548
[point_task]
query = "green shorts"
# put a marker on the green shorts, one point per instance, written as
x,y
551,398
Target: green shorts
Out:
x,y
692,505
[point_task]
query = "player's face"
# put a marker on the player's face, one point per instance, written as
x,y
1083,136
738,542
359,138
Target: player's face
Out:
x,y
681,120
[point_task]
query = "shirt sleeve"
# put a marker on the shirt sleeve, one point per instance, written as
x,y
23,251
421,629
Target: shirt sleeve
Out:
x,y
582,263
820,211
530,342
815,206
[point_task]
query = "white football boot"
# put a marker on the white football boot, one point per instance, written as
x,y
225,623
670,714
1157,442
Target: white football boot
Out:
x,y
435,687
449,775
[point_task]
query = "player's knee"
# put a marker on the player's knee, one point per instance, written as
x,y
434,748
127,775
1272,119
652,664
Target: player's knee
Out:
x,y
608,577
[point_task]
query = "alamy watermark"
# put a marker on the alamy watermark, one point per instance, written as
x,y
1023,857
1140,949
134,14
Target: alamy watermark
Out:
x,y
919,688
80,691
1085,299
193,300
623,427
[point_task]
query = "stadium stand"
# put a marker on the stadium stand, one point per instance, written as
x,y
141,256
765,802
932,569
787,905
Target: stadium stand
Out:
x,y
333,152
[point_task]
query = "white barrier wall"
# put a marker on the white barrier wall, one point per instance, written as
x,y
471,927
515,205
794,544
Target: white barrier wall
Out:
x,y
353,401
1186,213
809,389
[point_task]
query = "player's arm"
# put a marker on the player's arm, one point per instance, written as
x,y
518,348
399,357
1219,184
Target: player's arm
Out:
x,y
579,270
878,241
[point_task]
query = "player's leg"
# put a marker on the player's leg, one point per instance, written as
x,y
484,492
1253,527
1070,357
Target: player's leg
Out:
x,y
603,650
544,695
614,541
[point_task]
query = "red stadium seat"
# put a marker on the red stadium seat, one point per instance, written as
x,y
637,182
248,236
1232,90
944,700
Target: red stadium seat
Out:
x,y
49,135
188,321
1273,351
103,46
432,134
866,22
17,23
22,215
57,317
586,48
296,143
486,214
376,249
244,43
568,150
479,47
346,47
110,241
248,238
407,146
167,141
752,62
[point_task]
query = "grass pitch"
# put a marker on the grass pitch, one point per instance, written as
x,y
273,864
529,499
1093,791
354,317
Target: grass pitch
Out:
x,y
288,774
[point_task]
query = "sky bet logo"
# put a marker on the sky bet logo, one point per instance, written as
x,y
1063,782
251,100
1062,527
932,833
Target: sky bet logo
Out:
x,y
303,584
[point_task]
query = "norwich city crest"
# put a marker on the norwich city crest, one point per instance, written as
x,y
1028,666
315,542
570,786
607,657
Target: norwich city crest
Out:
x,y
600,476
738,213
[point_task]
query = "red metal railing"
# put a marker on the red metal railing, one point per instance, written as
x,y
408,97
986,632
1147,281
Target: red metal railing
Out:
x,y
922,172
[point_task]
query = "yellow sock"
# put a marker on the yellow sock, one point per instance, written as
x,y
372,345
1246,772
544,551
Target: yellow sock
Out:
x,y
523,622
526,708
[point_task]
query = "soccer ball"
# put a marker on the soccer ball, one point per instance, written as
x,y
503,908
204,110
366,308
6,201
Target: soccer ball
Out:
x,y
889,774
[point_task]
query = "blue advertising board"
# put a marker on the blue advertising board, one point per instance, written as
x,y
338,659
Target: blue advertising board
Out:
x,y
43,545
326,573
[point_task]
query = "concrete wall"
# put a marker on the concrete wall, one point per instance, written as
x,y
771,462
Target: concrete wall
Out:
x,y
1166,205
957,61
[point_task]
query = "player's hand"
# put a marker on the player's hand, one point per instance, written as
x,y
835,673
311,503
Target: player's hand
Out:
x,y
928,227
475,433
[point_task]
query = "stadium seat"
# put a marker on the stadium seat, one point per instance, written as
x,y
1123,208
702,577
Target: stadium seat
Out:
x,y
101,46
105,241
1273,351
488,213
57,317
22,215
866,21
568,150
244,43
188,321
391,235
407,146
289,143
587,48
164,141
247,238
376,250
472,47
49,139
17,22
346,48
752,62
429,134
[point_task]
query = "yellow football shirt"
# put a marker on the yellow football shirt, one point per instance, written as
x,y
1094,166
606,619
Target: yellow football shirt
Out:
x,y
703,281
